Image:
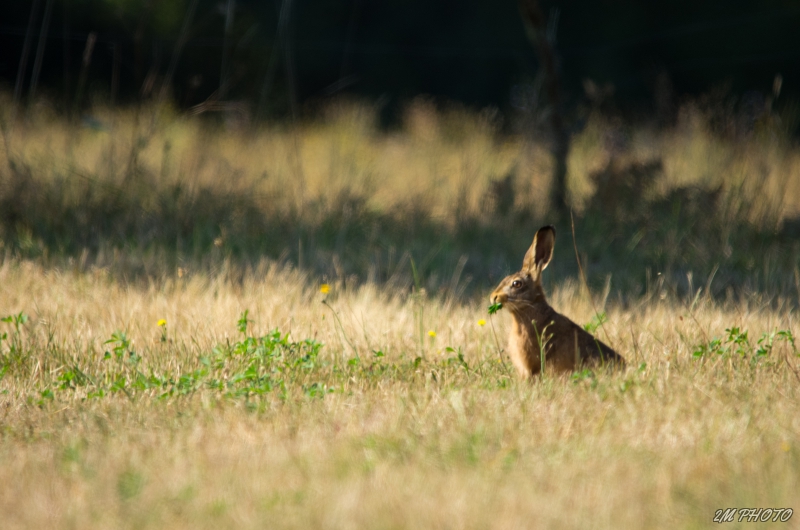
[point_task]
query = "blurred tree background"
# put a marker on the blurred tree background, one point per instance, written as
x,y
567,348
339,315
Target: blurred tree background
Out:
x,y
666,130
272,54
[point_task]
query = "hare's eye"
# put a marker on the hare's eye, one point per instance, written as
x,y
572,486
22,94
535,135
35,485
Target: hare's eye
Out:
x,y
516,284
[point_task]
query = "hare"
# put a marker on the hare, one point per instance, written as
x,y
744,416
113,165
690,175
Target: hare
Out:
x,y
538,326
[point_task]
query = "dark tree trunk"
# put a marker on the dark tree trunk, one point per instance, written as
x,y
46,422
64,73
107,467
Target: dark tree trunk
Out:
x,y
536,28
37,64
224,70
65,56
138,45
26,50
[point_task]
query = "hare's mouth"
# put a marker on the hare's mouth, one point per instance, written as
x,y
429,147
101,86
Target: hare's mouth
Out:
x,y
499,298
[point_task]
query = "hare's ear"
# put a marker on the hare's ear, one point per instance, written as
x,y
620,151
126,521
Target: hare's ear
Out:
x,y
538,256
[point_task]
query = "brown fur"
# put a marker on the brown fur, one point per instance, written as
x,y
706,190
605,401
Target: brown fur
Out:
x,y
566,345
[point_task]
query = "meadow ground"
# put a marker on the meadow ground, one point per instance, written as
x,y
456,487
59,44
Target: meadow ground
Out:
x,y
288,327
208,422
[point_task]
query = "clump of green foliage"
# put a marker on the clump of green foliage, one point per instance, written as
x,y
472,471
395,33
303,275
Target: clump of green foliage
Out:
x,y
247,368
15,347
597,321
737,343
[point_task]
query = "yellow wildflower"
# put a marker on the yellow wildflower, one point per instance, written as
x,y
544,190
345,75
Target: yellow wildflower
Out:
x,y
431,333
481,322
162,322
324,288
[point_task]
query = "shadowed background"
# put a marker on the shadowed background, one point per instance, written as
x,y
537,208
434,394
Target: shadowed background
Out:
x,y
473,52
411,142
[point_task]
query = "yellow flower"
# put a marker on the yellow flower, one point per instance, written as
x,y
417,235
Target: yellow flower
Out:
x,y
162,322
481,322
431,333
324,288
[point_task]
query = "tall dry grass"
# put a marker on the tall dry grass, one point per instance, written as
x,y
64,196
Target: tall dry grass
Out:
x,y
417,437
387,401
146,191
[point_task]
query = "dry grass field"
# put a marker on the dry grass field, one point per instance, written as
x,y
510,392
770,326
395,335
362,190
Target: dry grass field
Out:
x,y
245,330
383,427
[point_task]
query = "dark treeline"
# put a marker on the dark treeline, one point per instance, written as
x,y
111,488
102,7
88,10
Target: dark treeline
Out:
x,y
277,53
